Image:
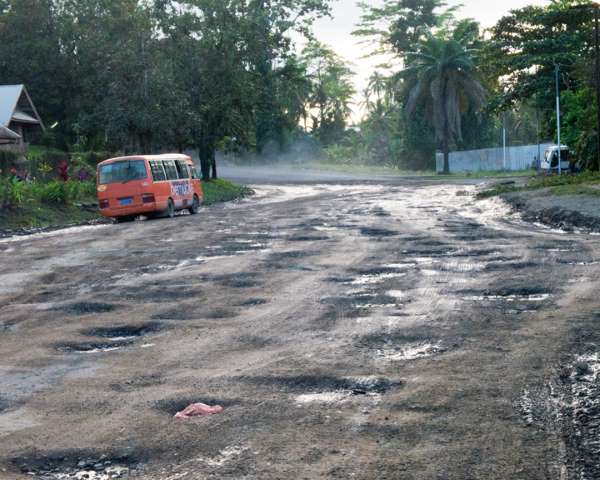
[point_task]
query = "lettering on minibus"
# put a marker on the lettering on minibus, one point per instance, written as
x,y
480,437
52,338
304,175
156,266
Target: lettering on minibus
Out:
x,y
181,189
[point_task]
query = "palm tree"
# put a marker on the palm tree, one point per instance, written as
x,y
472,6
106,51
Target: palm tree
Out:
x,y
442,78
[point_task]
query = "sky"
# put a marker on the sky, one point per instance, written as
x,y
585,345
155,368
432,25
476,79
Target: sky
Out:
x,y
337,31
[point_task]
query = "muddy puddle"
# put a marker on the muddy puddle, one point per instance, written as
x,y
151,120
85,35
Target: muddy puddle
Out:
x,y
88,308
323,384
124,332
71,465
93,347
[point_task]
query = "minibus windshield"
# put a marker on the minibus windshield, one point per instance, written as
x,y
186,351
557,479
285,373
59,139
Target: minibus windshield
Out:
x,y
124,171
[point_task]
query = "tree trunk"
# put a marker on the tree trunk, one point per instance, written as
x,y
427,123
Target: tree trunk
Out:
x,y
446,148
205,160
214,165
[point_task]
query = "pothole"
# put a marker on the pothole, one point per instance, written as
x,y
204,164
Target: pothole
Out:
x,y
308,238
313,384
293,254
92,347
412,351
86,308
124,332
79,466
253,302
377,232
519,294
238,280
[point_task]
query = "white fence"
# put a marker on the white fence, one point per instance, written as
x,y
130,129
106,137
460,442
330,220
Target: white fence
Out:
x,y
492,159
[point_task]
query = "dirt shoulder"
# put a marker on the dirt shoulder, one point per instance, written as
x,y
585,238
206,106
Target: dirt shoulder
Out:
x,y
576,211
567,202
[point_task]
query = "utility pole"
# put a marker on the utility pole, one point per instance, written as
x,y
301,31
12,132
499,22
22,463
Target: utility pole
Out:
x,y
557,70
597,48
504,142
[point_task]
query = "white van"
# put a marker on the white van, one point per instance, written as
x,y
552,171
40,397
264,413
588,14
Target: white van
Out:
x,y
550,160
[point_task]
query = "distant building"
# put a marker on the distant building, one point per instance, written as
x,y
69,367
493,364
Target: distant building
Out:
x,y
19,119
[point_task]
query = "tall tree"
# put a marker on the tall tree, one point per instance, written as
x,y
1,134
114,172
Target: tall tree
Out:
x,y
443,79
332,91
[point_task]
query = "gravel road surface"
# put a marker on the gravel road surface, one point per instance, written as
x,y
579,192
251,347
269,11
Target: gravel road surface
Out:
x,y
371,329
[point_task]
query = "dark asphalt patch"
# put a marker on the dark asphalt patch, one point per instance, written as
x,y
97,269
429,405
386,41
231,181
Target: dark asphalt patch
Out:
x,y
380,339
375,271
159,293
377,232
510,266
339,279
481,252
252,302
308,238
294,254
335,314
5,404
87,308
92,347
380,212
361,303
324,383
67,464
237,280
183,313
521,292
253,342
124,330
220,313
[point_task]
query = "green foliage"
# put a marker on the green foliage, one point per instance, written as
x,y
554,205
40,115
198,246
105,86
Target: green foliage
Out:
x,y
216,191
520,61
331,92
579,124
129,76
437,92
14,193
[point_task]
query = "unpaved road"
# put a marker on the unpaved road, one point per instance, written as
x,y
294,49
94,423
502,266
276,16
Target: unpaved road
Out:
x,y
399,330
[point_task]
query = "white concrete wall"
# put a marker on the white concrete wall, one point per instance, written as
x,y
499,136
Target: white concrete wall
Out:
x,y
492,159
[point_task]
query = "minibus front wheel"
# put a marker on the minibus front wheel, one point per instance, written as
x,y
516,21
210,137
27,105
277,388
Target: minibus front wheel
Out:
x,y
195,208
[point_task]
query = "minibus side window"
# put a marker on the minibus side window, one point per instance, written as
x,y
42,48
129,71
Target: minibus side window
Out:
x,y
158,172
171,170
194,172
182,169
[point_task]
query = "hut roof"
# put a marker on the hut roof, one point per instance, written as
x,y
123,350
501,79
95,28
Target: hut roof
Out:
x,y
8,136
16,106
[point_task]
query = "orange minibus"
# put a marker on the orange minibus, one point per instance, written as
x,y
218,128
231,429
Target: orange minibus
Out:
x,y
148,185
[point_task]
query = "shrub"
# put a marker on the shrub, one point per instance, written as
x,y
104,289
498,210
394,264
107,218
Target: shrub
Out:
x,y
52,192
12,192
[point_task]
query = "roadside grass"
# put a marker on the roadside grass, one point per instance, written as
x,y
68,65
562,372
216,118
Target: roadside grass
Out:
x,y
494,174
217,191
59,204
384,170
41,215
586,183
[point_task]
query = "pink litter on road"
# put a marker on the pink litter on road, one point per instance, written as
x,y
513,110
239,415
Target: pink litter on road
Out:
x,y
198,410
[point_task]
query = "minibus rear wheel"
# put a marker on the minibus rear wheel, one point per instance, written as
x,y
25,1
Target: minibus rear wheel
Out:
x,y
128,218
195,208
170,209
